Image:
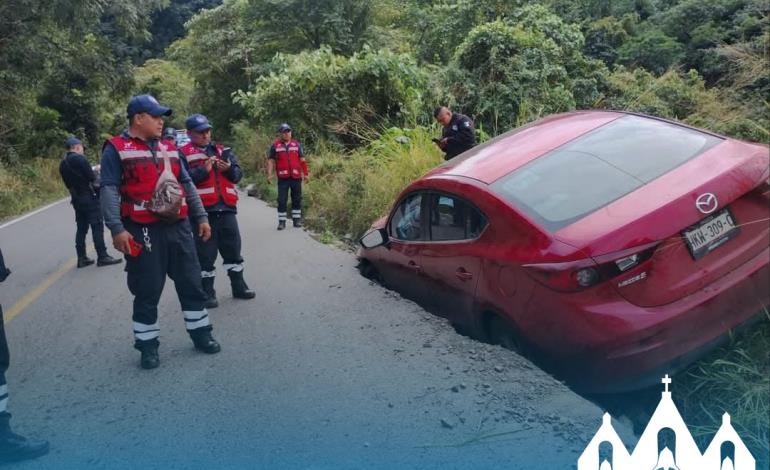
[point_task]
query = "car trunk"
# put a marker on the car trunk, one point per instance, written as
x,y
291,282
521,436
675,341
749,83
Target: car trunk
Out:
x,y
665,208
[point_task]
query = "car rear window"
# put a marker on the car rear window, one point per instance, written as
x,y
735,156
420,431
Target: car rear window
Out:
x,y
599,167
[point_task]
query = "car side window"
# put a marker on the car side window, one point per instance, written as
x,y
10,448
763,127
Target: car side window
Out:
x,y
406,223
452,218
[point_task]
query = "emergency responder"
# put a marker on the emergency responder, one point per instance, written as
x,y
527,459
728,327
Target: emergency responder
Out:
x,y
169,135
287,159
458,135
80,180
214,169
132,165
13,447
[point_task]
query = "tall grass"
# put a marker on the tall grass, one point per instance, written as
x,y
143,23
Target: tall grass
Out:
x,y
733,379
29,185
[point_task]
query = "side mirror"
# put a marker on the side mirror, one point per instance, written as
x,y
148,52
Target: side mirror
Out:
x,y
374,238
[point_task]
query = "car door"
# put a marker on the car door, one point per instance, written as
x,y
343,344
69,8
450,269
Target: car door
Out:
x,y
451,259
401,267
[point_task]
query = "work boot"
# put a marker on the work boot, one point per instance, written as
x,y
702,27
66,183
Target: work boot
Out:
x,y
240,289
297,222
150,358
204,342
281,224
211,294
14,448
84,261
107,260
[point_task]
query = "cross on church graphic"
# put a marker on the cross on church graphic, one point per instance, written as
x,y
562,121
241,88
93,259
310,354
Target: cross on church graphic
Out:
x,y
666,444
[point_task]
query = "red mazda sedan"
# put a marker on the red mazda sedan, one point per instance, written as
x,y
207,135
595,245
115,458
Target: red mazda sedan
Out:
x,y
619,246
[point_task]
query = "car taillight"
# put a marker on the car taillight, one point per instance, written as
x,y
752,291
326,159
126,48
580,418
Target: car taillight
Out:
x,y
579,275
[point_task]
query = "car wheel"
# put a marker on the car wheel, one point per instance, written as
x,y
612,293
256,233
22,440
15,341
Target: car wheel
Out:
x,y
500,331
367,270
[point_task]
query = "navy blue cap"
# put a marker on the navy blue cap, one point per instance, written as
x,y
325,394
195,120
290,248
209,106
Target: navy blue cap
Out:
x,y
197,123
284,127
71,142
146,104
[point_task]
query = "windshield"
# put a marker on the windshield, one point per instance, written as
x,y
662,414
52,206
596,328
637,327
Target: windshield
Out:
x,y
598,168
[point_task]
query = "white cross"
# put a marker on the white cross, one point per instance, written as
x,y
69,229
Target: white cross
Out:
x,y
666,381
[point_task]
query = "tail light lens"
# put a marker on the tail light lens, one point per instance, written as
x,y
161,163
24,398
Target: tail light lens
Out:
x,y
574,276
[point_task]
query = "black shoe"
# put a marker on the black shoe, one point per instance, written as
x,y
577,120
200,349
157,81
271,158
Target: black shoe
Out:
x,y
84,261
297,222
107,260
281,224
240,289
204,342
150,359
211,294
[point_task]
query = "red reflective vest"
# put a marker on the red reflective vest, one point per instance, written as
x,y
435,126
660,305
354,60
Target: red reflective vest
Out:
x,y
287,160
217,186
139,176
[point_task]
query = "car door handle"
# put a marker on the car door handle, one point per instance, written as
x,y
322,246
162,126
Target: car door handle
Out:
x,y
415,266
463,275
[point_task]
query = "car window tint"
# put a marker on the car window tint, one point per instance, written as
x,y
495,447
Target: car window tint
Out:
x,y
598,168
406,223
453,219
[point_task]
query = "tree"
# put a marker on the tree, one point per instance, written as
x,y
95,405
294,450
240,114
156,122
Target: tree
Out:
x,y
653,50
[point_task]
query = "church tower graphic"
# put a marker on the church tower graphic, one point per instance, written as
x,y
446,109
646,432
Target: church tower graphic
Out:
x,y
666,444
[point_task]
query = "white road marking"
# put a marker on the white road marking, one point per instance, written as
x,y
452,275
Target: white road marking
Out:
x,y
36,211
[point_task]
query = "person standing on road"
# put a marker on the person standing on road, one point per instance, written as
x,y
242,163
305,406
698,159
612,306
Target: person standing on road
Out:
x,y
458,135
287,159
133,163
80,180
215,170
13,448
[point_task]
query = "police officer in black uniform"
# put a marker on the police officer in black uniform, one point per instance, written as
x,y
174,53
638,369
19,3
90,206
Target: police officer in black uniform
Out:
x,y
458,135
80,180
13,447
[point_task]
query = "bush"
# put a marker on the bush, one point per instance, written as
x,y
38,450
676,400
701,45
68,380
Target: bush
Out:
x,y
319,91
29,185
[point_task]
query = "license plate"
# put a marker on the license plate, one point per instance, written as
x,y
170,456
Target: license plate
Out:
x,y
710,233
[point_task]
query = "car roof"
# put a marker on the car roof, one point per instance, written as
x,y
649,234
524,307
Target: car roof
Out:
x,y
507,152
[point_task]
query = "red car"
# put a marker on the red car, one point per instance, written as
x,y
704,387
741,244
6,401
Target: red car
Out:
x,y
620,246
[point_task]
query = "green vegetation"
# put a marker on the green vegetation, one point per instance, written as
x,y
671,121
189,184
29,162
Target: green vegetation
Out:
x,y
358,80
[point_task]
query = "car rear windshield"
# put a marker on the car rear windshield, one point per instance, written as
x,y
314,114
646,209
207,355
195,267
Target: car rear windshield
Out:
x,y
598,168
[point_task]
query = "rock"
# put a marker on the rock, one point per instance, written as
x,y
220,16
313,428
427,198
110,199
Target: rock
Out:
x,y
446,424
427,345
456,389
499,368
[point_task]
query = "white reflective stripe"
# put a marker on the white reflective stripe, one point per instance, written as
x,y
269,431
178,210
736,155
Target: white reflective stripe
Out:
x,y
194,325
231,190
142,328
146,336
236,268
194,315
282,213
296,212
3,390
139,208
3,405
195,157
129,154
205,274
206,190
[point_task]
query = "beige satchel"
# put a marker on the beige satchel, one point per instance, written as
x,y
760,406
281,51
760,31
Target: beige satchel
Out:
x,y
166,200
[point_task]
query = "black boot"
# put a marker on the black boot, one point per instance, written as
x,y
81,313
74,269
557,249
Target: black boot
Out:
x,y
203,341
297,222
281,224
84,261
150,358
14,448
240,289
107,260
211,294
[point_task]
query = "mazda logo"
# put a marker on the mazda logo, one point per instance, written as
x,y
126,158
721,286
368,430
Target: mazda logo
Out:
x,y
707,203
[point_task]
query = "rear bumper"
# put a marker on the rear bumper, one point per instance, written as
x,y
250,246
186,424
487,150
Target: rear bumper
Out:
x,y
608,344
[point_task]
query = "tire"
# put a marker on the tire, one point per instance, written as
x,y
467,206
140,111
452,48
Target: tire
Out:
x,y
501,332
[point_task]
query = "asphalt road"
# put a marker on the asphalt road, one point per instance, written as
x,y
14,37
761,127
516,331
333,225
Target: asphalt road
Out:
x,y
323,370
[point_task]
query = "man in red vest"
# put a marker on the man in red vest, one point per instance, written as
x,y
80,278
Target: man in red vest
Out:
x,y
132,164
214,169
287,159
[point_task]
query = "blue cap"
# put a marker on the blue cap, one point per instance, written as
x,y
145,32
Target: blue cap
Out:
x,y
197,123
71,142
146,104
284,127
